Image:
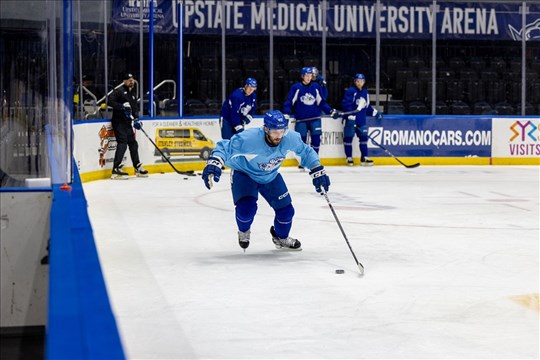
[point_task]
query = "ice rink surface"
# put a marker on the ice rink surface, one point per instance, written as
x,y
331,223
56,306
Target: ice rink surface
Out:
x,y
451,256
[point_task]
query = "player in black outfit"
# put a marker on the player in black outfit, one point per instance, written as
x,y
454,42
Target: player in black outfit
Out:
x,y
125,110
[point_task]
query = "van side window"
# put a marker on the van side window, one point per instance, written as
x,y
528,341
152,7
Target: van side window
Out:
x,y
183,133
166,133
198,135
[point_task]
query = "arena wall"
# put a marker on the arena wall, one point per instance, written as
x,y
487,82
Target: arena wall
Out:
x,y
429,140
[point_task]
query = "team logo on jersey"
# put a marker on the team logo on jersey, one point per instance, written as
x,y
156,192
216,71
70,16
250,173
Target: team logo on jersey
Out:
x,y
245,110
272,164
308,99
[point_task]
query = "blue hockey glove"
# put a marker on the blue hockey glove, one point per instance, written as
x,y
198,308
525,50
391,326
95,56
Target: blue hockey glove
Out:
x,y
336,114
238,128
137,124
320,179
379,116
212,170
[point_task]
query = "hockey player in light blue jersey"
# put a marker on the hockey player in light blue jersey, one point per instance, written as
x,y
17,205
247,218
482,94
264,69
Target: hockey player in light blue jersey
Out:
x,y
238,109
307,100
356,99
255,155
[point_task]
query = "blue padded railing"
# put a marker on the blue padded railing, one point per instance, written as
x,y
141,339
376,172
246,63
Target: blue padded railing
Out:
x,y
81,324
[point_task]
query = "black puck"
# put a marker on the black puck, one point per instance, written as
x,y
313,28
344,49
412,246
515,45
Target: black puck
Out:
x,y
340,271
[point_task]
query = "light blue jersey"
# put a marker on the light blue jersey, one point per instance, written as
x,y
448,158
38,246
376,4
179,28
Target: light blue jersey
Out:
x,y
249,153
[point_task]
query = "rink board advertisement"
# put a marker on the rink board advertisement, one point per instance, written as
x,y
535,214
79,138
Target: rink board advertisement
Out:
x,y
344,18
516,138
430,136
187,143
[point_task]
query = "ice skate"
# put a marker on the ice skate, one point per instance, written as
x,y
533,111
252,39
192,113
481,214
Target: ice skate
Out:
x,y
285,244
350,161
118,174
243,239
364,161
140,171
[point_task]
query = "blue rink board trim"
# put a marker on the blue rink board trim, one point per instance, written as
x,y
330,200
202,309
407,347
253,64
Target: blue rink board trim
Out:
x,y
81,324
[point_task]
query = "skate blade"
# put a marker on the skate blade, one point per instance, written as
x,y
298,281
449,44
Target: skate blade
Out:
x,y
141,175
119,177
367,164
284,248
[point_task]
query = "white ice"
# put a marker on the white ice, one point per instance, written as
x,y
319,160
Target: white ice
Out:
x,y
451,256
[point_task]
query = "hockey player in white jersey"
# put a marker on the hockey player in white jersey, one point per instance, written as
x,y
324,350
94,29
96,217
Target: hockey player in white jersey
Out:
x,y
255,155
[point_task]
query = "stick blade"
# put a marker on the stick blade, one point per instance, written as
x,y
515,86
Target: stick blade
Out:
x,y
412,166
361,269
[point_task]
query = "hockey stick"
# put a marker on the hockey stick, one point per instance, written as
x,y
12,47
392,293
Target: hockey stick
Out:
x,y
186,173
360,266
392,155
318,117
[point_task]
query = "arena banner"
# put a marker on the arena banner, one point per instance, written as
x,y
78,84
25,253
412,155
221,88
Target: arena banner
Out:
x,y
516,137
344,18
432,136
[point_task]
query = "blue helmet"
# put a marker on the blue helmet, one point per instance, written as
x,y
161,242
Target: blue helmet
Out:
x,y
275,120
306,70
359,77
251,82
314,70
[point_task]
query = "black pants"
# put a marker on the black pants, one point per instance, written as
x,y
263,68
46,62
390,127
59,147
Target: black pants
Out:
x,y
124,138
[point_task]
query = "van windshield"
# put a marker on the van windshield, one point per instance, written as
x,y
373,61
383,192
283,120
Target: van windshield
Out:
x,y
198,135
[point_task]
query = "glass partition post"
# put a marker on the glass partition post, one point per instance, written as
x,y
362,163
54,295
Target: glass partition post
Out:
x,y
378,54
180,58
433,89
150,64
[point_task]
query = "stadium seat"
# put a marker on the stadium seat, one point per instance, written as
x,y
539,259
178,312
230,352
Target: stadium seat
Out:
x,y
232,63
312,61
482,108
514,91
495,91
477,64
401,78
441,108
498,65
209,62
456,64
412,91
467,74
529,109
195,107
394,64
417,108
395,107
292,63
251,63
455,90
415,63
460,108
504,108
489,75
475,91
